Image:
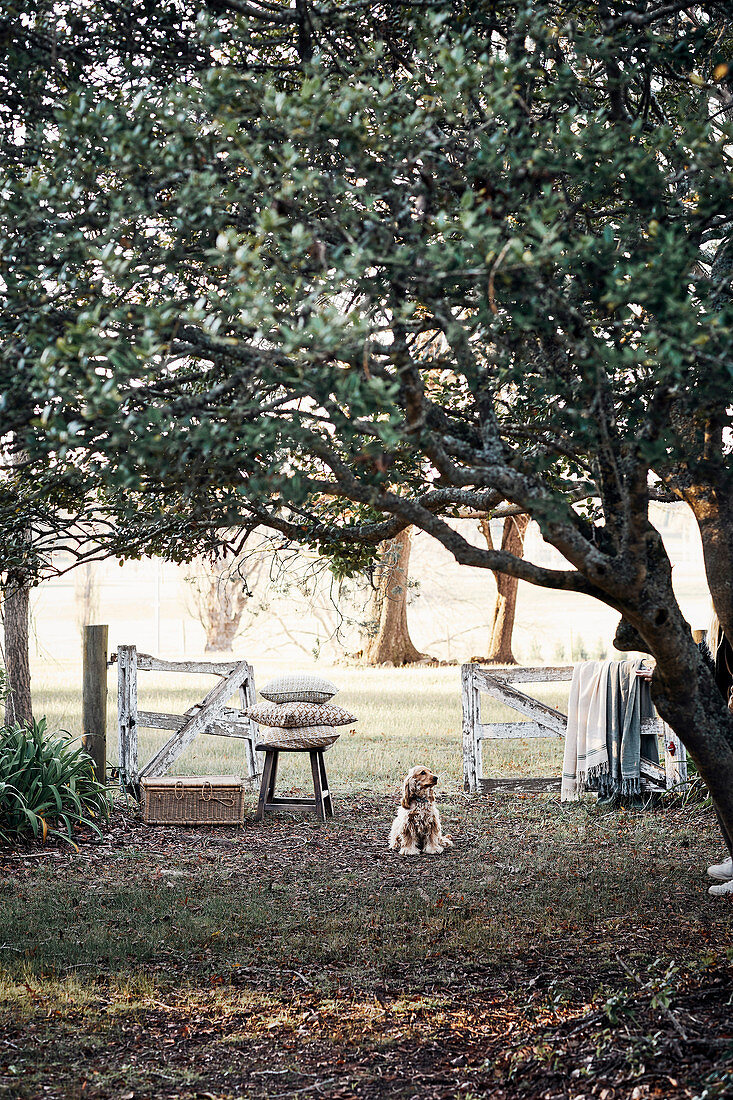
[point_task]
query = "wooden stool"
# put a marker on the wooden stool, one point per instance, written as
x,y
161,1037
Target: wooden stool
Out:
x,y
321,803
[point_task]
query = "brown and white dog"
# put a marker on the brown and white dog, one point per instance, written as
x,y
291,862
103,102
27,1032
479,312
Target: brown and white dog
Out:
x,y
417,826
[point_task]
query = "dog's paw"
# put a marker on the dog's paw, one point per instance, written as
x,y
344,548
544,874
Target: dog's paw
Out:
x,y
446,841
411,851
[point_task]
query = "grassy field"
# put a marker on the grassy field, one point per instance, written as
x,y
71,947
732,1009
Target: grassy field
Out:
x,y
405,716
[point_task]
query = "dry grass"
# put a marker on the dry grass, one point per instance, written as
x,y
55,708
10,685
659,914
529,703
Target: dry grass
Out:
x,y
405,716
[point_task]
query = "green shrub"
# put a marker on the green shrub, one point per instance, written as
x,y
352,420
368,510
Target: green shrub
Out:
x,y
47,785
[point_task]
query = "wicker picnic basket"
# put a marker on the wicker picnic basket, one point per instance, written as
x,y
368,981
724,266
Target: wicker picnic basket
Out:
x,y
193,800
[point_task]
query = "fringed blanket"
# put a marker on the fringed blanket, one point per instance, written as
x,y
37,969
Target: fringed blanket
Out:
x,y
603,745
585,740
628,700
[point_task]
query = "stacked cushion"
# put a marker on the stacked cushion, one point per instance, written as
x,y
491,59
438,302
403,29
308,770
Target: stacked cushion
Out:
x,y
300,687
293,715
298,714
304,737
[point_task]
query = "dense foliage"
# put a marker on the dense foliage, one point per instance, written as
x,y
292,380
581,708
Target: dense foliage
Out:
x,y
355,267
47,786
509,231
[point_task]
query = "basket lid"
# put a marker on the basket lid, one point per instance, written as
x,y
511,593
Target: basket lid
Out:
x,y
173,780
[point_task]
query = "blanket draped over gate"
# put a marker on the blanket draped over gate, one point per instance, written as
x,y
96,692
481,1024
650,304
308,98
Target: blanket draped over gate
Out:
x,y
604,743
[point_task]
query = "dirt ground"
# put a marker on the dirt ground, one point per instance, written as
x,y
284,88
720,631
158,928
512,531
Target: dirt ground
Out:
x,y
552,953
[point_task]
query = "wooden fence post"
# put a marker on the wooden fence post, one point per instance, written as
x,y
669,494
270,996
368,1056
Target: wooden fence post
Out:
x,y
675,758
127,713
470,707
94,697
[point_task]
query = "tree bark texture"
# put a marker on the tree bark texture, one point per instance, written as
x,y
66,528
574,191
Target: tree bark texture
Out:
x,y
220,633
391,643
713,511
502,620
696,712
16,613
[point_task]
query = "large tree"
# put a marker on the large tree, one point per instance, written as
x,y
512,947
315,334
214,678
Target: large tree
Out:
x,y
362,267
221,586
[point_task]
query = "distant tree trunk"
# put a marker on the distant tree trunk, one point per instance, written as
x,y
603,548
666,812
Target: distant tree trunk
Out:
x,y
391,643
221,629
16,614
220,596
502,622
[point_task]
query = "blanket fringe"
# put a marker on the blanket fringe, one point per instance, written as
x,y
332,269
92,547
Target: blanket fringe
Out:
x,y
606,785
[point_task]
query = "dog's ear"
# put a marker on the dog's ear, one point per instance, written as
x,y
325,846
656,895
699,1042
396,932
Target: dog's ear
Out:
x,y
408,792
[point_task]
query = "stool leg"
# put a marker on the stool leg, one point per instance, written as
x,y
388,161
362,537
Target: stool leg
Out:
x,y
267,780
324,783
317,788
273,775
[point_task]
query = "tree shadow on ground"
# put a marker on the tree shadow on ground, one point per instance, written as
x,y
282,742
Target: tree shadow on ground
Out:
x,y
553,952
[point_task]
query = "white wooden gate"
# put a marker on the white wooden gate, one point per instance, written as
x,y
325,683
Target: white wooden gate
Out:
x,y
210,716
544,721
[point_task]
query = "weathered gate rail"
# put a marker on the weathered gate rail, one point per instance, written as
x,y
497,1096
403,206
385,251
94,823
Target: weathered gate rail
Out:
x,y
544,721
210,716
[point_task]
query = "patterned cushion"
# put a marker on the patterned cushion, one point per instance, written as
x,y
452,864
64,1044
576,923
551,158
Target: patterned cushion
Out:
x,y
300,687
293,715
306,737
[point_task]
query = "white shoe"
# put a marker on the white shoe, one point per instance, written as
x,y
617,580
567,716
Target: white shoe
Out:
x,y
722,871
722,888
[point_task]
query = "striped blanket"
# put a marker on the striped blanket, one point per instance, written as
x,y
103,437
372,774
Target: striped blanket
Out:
x,y
603,744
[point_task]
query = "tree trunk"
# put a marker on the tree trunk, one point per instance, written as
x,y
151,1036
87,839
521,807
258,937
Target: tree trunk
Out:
x,y
683,686
502,622
713,511
16,612
220,598
699,716
221,630
391,643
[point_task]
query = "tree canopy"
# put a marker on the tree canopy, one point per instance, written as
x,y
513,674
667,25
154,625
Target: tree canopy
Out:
x,y
355,267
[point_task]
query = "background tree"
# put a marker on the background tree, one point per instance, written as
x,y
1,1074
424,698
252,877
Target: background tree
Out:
x,y
376,266
222,590
514,528
388,640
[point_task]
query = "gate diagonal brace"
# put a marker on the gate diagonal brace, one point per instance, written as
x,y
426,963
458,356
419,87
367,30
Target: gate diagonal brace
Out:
x,y
553,719
210,709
